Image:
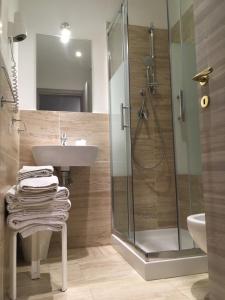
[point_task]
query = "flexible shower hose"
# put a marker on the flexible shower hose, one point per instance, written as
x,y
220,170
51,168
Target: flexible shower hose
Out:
x,y
163,152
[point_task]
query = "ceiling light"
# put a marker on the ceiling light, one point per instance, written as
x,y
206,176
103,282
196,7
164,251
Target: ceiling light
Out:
x,y
78,53
65,33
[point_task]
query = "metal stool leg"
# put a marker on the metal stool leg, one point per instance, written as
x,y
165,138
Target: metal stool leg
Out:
x,y
35,256
13,251
64,258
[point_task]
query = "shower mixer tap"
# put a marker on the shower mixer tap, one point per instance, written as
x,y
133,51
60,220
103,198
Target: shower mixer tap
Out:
x,y
143,112
142,92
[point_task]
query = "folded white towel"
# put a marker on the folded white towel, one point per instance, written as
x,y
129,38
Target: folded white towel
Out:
x,y
35,171
33,228
62,193
20,220
38,185
37,199
56,205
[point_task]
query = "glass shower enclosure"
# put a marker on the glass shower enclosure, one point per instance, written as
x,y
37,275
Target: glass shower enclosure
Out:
x,y
155,139
120,124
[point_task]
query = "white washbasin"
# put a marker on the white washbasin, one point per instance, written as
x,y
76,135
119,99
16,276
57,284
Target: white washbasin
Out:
x,y
65,156
197,229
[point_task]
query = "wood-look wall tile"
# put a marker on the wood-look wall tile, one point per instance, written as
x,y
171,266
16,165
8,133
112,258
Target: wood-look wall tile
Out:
x,y
90,216
120,211
153,182
42,129
9,137
2,286
210,40
188,33
92,127
190,198
9,162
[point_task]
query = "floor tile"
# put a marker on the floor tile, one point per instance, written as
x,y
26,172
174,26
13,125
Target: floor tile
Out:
x,y
100,273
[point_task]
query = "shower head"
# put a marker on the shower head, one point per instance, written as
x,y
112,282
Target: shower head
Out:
x,y
148,61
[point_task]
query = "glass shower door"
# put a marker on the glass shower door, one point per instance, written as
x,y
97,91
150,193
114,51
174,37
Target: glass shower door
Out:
x,y
185,115
119,121
189,69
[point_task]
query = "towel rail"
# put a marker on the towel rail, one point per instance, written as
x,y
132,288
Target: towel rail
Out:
x,y
2,100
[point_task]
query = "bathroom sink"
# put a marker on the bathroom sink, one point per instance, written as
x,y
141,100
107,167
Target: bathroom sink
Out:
x,y
65,156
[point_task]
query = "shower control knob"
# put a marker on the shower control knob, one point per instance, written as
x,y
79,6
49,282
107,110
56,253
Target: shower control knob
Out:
x,y
142,92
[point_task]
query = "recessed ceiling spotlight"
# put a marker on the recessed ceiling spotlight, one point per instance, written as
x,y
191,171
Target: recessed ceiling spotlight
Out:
x,y
65,33
78,53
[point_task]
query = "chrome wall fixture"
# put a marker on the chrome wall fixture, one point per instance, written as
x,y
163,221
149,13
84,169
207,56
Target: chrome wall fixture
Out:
x,y
14,121
150,63
14,99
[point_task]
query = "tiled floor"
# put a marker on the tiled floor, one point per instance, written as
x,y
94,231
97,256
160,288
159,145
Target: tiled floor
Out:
x,y
102,274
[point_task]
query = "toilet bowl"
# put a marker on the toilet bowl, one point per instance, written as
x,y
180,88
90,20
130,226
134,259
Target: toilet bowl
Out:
x,y
197,229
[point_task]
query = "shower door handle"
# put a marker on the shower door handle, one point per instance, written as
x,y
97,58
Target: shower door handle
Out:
x,y
180,98
122,108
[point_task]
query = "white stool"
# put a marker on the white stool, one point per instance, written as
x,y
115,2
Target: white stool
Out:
x,y
35,257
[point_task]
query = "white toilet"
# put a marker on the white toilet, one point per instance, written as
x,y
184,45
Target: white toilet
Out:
x,y
197,229
44,238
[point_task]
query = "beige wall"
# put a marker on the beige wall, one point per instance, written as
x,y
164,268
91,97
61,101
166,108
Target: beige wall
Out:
x,y
9,162
154,189
90,217
8,8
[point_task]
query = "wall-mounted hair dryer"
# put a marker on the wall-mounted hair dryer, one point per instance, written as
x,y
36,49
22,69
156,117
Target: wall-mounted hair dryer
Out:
x,y
16,29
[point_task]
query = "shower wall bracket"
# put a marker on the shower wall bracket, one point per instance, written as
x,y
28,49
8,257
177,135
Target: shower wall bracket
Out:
x,y
3,101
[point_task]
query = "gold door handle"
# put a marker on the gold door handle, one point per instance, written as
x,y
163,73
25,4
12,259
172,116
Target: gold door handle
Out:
x,y
203,76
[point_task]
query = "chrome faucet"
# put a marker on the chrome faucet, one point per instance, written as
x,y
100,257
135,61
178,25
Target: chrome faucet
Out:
x,y
63,139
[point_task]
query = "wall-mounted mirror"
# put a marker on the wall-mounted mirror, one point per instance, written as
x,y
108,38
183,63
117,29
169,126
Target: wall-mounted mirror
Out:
x,y
54,34
64,74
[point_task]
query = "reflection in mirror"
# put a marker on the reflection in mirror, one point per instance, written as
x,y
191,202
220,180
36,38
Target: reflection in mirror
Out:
x,y
64,74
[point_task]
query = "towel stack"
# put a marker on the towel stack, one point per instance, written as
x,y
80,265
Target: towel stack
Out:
x,y
37,202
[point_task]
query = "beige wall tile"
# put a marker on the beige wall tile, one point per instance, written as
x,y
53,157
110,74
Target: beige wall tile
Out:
x,y
42,129
210,35
154,188
92,127
90,216
9,162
